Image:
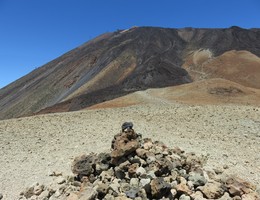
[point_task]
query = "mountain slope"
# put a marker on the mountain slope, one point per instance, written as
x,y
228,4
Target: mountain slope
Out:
x,y
211,91
239,66
115,64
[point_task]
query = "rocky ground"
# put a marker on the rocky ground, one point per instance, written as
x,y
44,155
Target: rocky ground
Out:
x,y
39,148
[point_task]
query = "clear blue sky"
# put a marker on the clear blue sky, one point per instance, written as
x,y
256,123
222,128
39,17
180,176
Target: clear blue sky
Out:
x,y
34,32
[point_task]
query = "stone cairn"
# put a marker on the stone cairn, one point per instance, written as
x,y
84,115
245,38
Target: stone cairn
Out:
x,y
139,169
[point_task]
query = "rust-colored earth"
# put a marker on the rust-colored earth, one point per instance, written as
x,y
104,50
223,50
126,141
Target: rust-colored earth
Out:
x,y
211,91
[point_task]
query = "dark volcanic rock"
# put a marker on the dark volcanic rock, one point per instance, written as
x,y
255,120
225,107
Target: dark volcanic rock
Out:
x,y
84,165
160,188
115,64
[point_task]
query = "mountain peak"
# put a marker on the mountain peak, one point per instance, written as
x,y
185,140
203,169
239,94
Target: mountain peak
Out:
x,y
118,63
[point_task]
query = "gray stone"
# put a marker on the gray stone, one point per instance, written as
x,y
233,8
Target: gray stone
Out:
x,y
145,184
125,187
197,179
184,197
1,196
119,173
109,197
150,158
134,182
151,175
173,193
140,171
136,159
132,193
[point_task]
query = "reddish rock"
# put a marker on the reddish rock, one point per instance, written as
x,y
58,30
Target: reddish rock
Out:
x,y
212,190
132,169
251,196
124,144
159,188
182,187
238,186
141,153
148,144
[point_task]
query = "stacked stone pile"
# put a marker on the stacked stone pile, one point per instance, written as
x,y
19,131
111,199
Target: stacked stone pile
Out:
x,y
138,169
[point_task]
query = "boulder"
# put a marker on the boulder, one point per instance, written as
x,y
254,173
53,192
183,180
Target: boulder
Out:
x,y
84,165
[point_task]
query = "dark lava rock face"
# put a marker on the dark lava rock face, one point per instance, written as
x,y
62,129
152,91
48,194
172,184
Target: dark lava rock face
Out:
x,y
115,64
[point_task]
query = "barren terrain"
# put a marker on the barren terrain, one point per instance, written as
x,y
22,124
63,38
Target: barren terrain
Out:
x,y
33,147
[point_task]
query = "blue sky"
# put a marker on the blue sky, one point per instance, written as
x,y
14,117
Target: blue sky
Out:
x,y
34,32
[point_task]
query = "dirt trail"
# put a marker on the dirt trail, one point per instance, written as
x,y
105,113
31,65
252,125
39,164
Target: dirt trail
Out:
x,y
33,147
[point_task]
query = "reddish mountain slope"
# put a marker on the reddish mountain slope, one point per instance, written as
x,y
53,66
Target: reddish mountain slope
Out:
x,y
239,66
211,91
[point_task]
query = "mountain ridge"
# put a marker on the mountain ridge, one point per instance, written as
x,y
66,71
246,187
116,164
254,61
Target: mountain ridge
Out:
x,y
114,64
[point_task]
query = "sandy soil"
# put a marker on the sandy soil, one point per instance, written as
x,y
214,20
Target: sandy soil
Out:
x,y
33,147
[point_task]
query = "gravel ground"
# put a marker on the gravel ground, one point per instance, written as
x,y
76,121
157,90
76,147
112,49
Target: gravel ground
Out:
x,y
33,147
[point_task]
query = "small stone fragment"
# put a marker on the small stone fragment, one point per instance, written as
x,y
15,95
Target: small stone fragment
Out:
x,y
159,187
197,179
60,180
115,187
147,143
102,190
212,190
238,186
119,173
88,193
44,195
251,196
134,182
184,197
226,196
72,196
132,169
141,153
132,193
140,171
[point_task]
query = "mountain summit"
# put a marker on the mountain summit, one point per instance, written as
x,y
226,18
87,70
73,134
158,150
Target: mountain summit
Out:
x,y
118,63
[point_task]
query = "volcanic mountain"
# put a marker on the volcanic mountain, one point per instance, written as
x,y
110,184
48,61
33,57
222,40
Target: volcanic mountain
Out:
x,y
125,61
